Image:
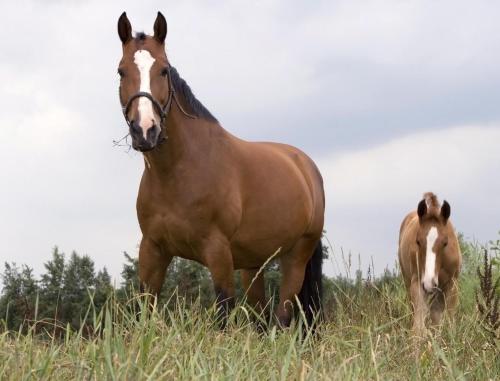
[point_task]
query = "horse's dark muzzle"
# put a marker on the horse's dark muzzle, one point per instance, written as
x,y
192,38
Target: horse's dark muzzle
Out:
x,y
142,146
140,143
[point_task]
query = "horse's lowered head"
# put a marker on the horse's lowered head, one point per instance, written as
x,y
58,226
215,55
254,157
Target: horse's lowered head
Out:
x,y
145,83
432,240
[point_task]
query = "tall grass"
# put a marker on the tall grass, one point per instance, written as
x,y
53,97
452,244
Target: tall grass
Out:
x,y
366,338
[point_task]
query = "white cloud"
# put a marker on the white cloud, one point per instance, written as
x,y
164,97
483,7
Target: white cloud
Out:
x,y
316,75
445,160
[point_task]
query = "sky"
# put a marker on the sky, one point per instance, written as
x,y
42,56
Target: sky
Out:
x,y
390,98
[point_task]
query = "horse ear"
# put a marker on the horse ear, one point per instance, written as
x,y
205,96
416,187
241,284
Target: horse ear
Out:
x,y
445,210
422,209
124,28
160,28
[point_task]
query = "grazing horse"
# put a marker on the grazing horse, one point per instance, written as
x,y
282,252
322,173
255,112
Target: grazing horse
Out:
x,y
430,260
208,196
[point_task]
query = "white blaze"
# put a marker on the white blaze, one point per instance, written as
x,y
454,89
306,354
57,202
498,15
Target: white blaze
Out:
x,y
144,62
430,278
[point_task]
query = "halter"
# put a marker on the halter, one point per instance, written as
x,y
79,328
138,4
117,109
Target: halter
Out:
x,y
162,110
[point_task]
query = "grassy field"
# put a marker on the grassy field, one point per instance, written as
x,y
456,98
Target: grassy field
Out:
x,y
367,338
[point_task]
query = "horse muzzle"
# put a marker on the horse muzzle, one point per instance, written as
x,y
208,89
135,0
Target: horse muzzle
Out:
x,y
430,287
144,140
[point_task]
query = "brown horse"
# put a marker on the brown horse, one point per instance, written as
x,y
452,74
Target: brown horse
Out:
x,y
430,260
211,197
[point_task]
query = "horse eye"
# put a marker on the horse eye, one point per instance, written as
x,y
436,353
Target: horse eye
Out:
x,y
164,71
121,73
418,242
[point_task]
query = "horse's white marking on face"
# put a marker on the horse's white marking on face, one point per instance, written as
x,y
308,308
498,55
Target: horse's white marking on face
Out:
x,y
144,61
430,279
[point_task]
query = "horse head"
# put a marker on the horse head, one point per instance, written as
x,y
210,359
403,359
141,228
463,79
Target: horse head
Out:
x,y
146,88
432,240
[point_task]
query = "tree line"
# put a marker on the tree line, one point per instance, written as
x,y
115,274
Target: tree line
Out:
x,y
70,286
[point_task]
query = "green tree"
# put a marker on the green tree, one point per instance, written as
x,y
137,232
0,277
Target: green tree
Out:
x,y
185,278
51,284
190,280
103,288
78,285
130,277
19,294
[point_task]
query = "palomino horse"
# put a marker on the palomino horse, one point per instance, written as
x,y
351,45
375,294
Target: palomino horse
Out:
x,y
208,196
430,260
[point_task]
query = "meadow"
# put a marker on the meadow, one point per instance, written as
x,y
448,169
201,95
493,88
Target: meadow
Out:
x,y
364,336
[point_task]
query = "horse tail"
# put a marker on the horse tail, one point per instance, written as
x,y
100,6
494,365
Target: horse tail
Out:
x,y
312,288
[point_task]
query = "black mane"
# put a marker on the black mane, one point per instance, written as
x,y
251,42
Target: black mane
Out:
x,y
182,88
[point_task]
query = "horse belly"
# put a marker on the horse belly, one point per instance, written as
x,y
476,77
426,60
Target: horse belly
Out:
x,y
273,218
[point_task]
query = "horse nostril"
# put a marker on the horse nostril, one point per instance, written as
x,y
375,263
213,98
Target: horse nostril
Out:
x,y
152,132
428,287
134,127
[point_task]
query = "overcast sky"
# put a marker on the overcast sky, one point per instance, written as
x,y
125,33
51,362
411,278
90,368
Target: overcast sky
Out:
x,y
390,98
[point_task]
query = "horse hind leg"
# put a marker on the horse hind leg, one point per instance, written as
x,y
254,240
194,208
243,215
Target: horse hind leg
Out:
x,y
254,287
218,258
293,269
255,292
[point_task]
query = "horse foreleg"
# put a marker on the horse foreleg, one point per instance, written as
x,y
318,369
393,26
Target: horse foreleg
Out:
x,y
437,309
219,261
153,265
419,307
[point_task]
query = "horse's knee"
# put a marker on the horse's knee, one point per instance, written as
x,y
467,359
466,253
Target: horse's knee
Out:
x,y
153,265
223,279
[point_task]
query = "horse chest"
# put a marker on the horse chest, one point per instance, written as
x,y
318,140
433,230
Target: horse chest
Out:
x,y
176,225
173,233
172,216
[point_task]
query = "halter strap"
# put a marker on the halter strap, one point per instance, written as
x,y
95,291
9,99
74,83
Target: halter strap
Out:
x,y
162,110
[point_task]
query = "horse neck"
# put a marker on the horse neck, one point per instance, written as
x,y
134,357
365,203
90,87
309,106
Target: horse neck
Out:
x,y
186,140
